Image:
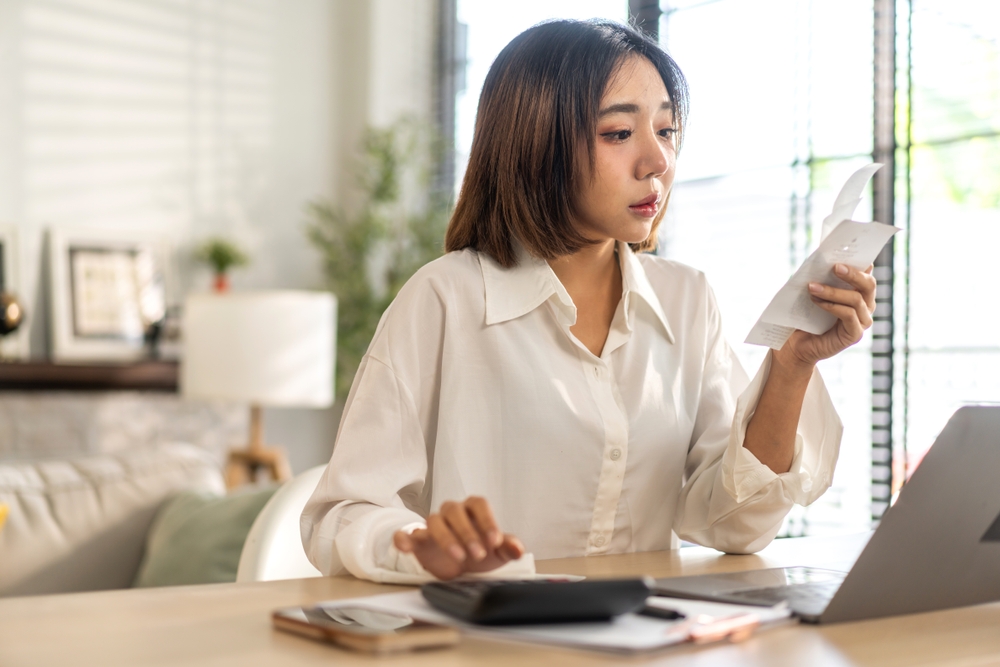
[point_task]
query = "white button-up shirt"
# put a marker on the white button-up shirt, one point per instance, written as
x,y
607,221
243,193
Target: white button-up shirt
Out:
x,y
474,385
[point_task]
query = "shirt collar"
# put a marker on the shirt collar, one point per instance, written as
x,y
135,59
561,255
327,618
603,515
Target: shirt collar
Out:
x,y
511,293
635,281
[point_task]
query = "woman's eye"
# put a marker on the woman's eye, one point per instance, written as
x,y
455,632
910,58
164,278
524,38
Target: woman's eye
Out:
x,y
668,132
620,135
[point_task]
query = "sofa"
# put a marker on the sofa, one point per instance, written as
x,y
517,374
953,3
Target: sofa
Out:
x,y
153,516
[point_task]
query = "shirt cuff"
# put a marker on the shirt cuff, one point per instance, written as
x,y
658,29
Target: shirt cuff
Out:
x,y
367,551
817,446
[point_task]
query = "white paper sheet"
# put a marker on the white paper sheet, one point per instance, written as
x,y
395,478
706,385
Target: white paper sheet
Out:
x,y
626,633
849,197
845,241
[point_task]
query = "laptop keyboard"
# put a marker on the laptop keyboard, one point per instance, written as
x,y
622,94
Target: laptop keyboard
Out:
x,y
811,597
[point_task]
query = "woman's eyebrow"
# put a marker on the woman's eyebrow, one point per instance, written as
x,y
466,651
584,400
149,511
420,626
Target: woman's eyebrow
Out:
x,y
625,107
618,108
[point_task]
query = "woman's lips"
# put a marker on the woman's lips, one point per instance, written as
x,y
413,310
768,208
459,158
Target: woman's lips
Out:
x,y
646,207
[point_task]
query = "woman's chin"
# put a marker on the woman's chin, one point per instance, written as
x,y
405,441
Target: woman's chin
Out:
x,y
629,232
633,236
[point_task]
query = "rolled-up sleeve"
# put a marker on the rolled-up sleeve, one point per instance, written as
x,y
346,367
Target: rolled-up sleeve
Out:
x,y
380,459
731,501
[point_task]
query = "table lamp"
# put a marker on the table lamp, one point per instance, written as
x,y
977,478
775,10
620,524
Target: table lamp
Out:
x,y
273,348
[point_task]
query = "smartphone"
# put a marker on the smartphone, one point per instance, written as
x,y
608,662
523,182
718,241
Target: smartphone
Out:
x,y
363,629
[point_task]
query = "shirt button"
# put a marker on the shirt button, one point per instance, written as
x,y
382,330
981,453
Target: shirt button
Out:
x,y
616,454
599,541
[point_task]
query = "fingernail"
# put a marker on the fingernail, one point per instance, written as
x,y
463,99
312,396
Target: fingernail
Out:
x,y
477,551
496,539
815,288
840,269
457,552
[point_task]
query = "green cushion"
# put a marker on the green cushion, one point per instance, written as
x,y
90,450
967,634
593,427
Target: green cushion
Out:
x,y
197,538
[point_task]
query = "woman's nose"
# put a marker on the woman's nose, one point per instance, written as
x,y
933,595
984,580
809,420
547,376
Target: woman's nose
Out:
x,y
655,158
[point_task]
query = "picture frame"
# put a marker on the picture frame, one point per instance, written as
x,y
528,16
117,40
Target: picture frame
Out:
x,y
13,345
105,289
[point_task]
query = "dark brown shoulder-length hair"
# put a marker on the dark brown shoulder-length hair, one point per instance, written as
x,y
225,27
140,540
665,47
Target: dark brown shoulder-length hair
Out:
x,y
539,104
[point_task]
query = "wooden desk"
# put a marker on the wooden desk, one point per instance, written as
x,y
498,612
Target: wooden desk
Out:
x,y
229,624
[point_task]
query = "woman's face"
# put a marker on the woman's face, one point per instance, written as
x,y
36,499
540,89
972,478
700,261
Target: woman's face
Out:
x,y
634,157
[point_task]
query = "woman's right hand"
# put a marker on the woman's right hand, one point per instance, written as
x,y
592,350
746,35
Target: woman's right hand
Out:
x,y
461,537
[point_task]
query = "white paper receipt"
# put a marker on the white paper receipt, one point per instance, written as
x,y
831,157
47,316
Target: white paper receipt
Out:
x,y
844,241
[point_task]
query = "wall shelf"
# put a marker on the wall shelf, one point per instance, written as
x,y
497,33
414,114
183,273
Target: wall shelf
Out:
x,y
48,376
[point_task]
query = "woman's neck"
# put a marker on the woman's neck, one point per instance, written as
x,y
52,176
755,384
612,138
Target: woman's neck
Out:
x,y
593,278
589,269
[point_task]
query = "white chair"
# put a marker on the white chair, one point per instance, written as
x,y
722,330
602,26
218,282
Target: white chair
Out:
x,y
273,549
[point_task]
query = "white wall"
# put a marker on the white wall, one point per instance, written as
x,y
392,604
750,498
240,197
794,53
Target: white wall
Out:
x,y
210,117
194,119
385,57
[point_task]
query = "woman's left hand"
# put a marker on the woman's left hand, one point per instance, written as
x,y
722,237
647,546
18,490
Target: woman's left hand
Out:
x,y
852,307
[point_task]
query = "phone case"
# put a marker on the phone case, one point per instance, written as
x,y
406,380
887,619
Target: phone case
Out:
x,y
422,635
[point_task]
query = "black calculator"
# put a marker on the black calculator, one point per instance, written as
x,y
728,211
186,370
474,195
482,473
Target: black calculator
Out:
x,y
493,602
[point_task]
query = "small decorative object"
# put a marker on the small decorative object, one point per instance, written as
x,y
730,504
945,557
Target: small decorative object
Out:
x,y
11,313
13,338
265,349
107,290
163,338
222,255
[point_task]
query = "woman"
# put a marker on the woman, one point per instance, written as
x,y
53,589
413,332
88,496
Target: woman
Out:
x,y
544,381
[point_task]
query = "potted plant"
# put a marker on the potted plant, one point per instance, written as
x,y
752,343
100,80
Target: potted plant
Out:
x,y
398,227
222,255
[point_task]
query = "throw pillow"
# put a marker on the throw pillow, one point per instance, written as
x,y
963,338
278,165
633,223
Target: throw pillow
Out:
x,y
197,538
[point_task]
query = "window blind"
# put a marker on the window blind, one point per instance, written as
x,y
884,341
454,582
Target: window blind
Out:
x,y
144,114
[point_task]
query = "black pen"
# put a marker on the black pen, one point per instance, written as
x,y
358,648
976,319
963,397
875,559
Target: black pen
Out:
x,y
661,612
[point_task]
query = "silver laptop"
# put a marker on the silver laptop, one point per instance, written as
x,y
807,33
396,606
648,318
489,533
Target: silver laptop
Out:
x,y
937,547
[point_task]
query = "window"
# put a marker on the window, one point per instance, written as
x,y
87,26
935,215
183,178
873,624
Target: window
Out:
x,y
948,197
773,134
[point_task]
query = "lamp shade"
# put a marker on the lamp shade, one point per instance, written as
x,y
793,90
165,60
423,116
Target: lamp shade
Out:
x,y
267,348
